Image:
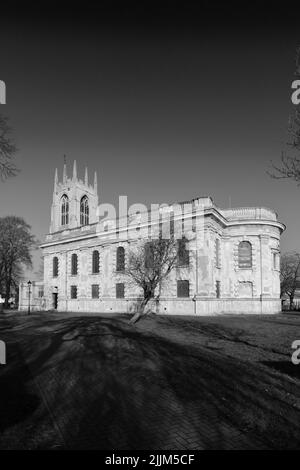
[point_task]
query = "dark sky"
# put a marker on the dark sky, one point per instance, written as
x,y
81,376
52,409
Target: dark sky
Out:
x,y
167,102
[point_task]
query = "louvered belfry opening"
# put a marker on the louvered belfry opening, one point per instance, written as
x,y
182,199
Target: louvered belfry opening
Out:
x,y
64,210
84,211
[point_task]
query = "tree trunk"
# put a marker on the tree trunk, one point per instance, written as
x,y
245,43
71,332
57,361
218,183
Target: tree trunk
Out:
x,y
7,292
291,302
140,311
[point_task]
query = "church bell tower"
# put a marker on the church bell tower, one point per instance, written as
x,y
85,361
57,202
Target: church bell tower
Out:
x,y
74,202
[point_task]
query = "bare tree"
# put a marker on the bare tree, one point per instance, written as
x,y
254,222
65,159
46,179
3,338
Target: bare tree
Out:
x,y
7,150
289,168
16,243
149,264
289,275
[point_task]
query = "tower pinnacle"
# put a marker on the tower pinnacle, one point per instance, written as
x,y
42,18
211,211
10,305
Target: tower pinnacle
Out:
x,y
95,182
55,180
65,170
74,171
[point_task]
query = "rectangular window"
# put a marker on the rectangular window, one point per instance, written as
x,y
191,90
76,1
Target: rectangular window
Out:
x,y
183,289
218,289
73,292
120,290
95,291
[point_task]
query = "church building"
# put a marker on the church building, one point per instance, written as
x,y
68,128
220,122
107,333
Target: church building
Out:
x,y
231,262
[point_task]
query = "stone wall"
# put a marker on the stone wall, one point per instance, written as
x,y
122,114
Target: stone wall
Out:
x,y
37,298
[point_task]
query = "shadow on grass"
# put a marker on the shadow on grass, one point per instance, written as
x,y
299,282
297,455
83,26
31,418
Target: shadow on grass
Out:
x,y
285,367
167,391
151,393
16,402
113,386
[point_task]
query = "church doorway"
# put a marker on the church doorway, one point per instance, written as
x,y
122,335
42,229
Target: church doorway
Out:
x,y
54,300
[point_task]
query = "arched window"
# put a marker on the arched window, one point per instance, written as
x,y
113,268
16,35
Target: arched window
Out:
x,y
120,258
84,211
218,289
149,255
183,256
55,267
64,210
217,252
276,261
74,264
95,262
245,255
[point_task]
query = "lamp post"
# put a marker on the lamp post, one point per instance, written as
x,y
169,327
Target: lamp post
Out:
x,y
29,292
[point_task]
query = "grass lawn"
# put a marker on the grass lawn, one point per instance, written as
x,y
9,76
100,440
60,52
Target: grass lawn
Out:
x,y
96,382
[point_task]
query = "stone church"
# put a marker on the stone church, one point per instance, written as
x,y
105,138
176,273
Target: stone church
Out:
x,y
231,262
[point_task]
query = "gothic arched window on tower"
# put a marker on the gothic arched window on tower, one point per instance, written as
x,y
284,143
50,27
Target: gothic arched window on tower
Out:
x,y
84,211
245,255
64,210
95,262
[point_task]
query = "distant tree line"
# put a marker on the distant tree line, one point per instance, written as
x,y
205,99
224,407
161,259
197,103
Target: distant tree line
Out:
x,y
289,168
16,243
7,150
16,240
289,276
